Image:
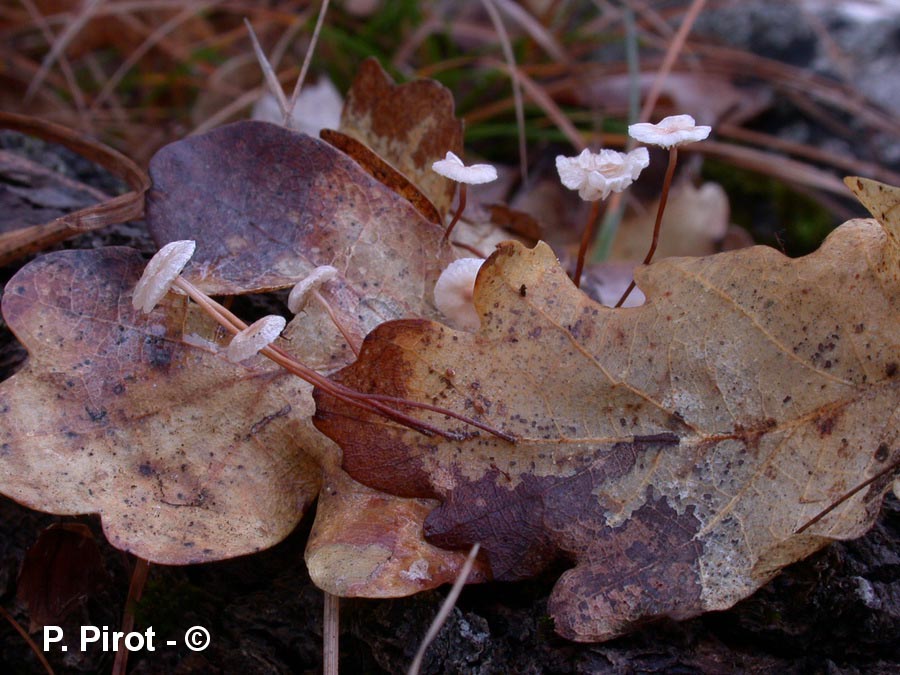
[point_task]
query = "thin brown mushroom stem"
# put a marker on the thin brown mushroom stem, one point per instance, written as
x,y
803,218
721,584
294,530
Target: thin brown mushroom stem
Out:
x,y
586,239
459,211
342,329
370,402
664,197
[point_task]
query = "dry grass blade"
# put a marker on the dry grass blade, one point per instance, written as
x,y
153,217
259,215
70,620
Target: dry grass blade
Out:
x,y
672,53
135,590
271,78
506,45
129,206
306,61
25,636
245,100
736,63
534,29
146,46
72,29
65,66
842,162
784,168
444,612
544,101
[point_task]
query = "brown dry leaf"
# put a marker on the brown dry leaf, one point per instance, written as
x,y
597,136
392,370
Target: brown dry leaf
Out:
x,y
383,172
409,126
366,543
670,451
881,200
389,258
134,417
267,205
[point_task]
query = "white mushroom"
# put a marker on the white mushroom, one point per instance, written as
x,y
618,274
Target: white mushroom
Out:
x,y
454,291
160,273
668,132
452,167
303,289
595,175
253,338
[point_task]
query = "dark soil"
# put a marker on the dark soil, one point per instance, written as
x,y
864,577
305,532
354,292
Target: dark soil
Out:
x,y
836,612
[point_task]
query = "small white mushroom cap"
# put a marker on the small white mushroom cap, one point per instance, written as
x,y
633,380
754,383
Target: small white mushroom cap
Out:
x,y
595,175
670,131
256,336
452,167
160,273
303,289
454,291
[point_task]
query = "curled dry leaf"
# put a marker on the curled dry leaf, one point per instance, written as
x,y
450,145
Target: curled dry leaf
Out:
x,y
133,416
671,452
408,126
18,243
383,172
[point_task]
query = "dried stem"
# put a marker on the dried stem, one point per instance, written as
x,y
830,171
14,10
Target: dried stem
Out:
x,y
444,611
586,239
345,333
468,247
331,634
664,197
459,211
271,78
307,59
514,75
672,53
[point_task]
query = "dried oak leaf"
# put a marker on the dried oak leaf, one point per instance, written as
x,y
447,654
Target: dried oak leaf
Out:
x,y
672,451
186,457
366,543
277,201
135,417
398,132
268,205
